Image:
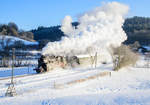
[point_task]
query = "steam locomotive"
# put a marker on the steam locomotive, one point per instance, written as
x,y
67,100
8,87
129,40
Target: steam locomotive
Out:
x,y
47,63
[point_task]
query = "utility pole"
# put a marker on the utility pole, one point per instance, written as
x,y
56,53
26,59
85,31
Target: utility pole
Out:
x,y
12,73
11,89
95,59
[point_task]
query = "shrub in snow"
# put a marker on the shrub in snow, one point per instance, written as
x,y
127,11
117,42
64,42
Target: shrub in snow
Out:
x,y
122,56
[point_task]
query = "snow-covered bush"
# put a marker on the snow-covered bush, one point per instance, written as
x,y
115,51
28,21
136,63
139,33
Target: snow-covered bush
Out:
x,y
122,56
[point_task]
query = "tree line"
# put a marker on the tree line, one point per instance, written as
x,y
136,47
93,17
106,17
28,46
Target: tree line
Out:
x,y
137,29
12,29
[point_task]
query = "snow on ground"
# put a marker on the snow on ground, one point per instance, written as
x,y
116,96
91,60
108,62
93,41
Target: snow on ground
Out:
x,y
129,86
6,72
13,39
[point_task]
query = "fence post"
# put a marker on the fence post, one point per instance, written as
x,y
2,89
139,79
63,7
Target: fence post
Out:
x,y
11,89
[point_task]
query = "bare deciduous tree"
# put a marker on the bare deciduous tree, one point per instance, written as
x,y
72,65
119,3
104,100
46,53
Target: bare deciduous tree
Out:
x,y
122,56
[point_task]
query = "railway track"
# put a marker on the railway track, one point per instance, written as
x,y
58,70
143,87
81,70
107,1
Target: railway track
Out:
x,y
32,82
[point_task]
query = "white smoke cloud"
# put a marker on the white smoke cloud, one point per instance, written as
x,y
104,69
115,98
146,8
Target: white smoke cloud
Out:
x,y
97,29
67,26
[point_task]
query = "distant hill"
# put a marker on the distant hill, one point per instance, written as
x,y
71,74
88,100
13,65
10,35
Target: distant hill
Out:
x,y
136,28
49,33
11,29
9,42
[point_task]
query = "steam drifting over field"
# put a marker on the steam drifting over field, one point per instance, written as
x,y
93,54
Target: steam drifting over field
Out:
x,y
97,30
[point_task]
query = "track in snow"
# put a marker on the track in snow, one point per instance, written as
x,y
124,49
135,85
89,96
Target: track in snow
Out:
x,y
46,80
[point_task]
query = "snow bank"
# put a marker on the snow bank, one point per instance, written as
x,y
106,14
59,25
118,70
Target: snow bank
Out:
x,y
97,30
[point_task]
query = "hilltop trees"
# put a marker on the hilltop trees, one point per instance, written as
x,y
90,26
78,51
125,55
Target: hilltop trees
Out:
x,y
13,25
12,29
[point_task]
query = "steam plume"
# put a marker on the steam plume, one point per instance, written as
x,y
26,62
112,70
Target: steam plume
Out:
x,y
97,30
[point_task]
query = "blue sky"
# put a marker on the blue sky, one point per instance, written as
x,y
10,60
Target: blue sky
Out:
x,y
29,14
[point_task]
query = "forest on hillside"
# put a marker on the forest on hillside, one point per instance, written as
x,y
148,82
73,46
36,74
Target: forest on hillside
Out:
x,y
137,29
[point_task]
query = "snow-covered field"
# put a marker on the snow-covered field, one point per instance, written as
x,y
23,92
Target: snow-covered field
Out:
x,y
129,86
96,31
6,72
13,39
